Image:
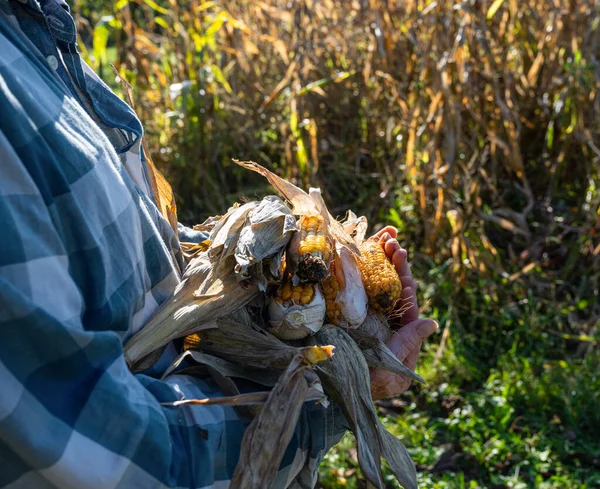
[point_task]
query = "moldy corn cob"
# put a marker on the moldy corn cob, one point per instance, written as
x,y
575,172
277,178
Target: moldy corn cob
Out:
x,y
301,294
296,311
314,249
379,276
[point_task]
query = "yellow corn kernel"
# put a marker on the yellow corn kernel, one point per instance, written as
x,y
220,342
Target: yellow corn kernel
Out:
x,y
301,294
191,341
330,288
316,354
379,276
286,291
314,249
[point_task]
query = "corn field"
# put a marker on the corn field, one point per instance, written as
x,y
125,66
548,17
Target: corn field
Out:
x,y
473,126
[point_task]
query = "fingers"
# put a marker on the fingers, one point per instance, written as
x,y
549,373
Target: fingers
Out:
x,y
399,256
405,344
408,305
409,338
408,282
411,360
391,246
391,230
386,384
401,263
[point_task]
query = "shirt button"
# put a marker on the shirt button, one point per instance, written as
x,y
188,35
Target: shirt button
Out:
x,y
52,61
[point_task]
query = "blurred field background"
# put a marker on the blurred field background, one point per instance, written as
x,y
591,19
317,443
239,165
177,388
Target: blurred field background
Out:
x,y
474,127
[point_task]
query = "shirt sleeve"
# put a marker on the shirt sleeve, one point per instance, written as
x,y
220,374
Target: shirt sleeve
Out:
x,y
190,235
71,413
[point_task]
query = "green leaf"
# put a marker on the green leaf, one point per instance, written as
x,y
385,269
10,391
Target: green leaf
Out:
x,y
324,81
99,40
120,4
220,78
494,8
550,135
154,6
162,22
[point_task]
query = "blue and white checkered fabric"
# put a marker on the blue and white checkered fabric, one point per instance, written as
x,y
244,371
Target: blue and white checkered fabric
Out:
x,y
85,258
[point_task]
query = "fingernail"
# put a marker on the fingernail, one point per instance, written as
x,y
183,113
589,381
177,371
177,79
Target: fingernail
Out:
x,y
427,328
386,236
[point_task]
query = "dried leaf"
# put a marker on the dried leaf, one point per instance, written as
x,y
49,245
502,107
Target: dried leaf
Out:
x,y
253,347
303,203
378,355
346,379
188,312
269,434
269,228
226,368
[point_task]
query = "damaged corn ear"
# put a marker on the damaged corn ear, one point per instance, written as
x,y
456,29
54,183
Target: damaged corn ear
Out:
x,y
330,288
379,276
301,294
296,311
314,249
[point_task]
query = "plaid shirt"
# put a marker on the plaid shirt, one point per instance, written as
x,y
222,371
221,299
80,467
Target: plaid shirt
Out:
x,y
85,258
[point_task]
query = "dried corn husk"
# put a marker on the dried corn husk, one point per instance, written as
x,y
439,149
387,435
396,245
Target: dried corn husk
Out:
x,y
219,281
268,230
376,325
192,250
189,312
356,227
249,345
303,203
227,368
291,321
351,297
346,379
378,355
269,434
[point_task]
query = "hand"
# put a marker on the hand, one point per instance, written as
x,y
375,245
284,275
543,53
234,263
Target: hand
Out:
x,y
406,342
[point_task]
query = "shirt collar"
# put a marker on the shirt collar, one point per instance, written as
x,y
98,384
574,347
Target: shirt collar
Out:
x,y
34,4
60,22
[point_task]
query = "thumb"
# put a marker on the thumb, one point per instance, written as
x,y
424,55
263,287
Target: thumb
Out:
x,y
409,338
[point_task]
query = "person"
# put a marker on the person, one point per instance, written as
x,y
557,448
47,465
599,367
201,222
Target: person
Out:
x,y
85,259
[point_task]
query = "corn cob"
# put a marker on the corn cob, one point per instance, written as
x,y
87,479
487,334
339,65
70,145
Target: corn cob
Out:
x,y
330,288
301,294
314,249
379,276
